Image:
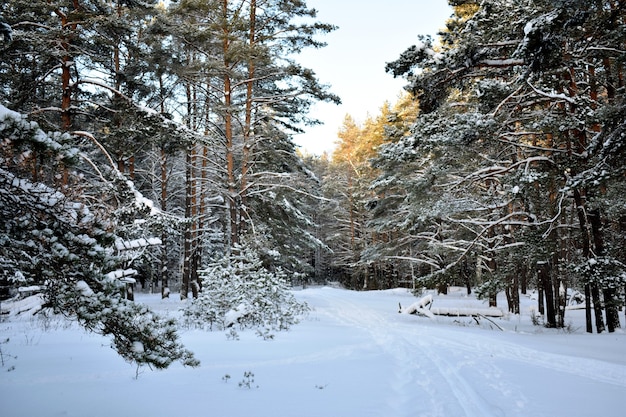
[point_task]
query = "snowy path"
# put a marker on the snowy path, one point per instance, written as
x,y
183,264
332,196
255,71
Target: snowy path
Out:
x,y
422,369
443,370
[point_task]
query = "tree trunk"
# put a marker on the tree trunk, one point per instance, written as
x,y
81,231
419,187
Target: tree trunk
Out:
x,y
130,292
545,280
228,133
559,302
523,274
131,167
611,307
493,300
513,294
493,295
588,322
164,272
66,63
248,130
586,243
610,82
197,257
597,307
195,282
187,236
610,302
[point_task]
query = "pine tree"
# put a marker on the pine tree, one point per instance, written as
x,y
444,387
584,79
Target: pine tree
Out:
x,y
238,291
521,78
62,77
57,241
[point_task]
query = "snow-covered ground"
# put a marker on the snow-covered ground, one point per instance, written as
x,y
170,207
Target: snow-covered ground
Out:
x,y
354,355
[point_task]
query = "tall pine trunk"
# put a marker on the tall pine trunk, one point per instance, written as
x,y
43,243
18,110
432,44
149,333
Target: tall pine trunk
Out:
x,y
66,63
187,235
248,129
578,142
232,197
190,195
164,271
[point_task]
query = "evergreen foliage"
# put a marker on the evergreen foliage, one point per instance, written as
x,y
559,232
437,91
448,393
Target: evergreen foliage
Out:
x,y
509,176
511,146
193,103
239,292
50,241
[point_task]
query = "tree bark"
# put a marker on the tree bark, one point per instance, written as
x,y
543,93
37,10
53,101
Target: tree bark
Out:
x,y
164,272
597,307
66,62
513,294
228,132
588,320
610,302
523,273
586,243
248,129
187,237
543,270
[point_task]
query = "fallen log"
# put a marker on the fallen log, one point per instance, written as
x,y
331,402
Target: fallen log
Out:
x,y
424,307
451,311
466,312
422,304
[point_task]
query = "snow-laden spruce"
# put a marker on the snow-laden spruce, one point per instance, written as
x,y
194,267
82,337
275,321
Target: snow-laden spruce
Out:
x,y
239,292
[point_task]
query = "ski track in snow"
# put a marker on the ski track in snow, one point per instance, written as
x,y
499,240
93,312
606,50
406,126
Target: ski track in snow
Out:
x,y
412,371
425,358
582,367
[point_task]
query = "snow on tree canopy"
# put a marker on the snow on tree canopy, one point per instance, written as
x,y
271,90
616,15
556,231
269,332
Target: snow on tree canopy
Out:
x,y
14,126
540,22
6,113
121,244
121,273
6,31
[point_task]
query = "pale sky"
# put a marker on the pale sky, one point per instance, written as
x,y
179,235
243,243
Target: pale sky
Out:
x,y
371,33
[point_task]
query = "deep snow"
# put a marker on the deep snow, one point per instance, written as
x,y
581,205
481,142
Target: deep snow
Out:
x,y
353,355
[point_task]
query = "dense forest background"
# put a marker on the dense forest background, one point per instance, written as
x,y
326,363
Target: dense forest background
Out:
x,y
142,144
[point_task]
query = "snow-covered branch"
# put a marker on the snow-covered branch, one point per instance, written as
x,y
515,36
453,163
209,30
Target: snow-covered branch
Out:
x,y
501,63
606,49
95,141
415,260
553,96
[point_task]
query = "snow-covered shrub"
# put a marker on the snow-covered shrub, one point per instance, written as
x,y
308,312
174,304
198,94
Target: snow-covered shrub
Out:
x,y
238,291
